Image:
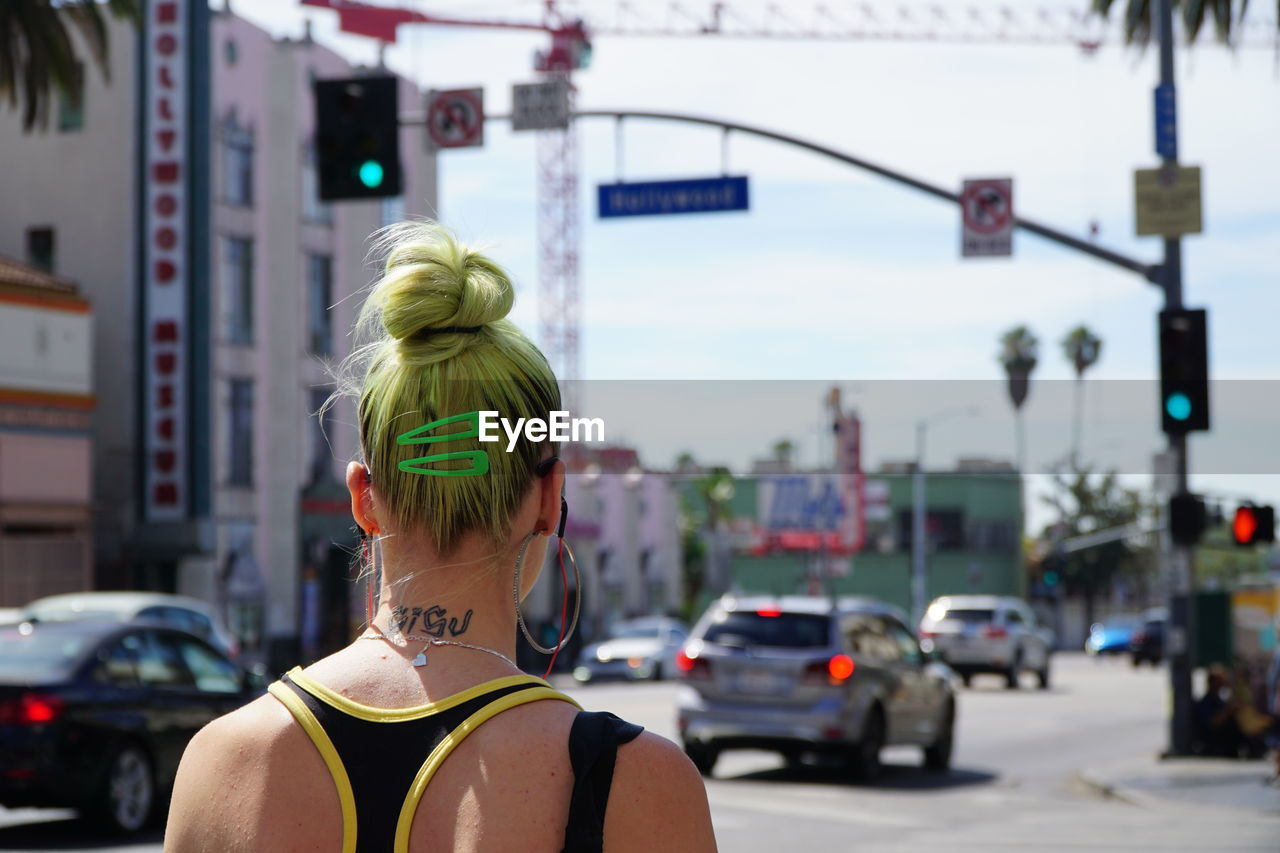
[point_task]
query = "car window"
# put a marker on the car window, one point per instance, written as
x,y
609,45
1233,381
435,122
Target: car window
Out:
x,y
779,630
867,636
1013,617
970,616
213,673
160,663
119,663
27,651
908,648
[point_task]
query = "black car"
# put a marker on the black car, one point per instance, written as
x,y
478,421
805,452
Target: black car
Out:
x,y
95,716
1147,644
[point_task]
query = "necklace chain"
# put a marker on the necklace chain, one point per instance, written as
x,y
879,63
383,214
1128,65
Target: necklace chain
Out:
x,y
421,658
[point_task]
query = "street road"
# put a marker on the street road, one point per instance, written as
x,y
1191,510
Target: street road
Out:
x,y
1013,787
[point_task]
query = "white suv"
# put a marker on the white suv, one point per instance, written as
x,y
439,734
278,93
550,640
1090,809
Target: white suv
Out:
x,y
988,633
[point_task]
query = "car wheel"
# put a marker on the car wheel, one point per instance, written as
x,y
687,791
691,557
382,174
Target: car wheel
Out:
x,y
938,756
703,756
656,673
1014,671
129,792
864,759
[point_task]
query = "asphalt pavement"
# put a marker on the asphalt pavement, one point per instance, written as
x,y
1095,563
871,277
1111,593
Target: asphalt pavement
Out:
x,y
1016,783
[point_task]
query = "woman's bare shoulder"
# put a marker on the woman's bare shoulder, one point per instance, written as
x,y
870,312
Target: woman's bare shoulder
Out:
x,y
653,777
220,796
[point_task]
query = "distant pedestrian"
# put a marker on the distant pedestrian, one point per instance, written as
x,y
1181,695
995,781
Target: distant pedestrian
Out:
x,y
1215,731
423,735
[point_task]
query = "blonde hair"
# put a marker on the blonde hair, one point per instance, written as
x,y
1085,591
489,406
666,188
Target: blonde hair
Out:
x,y
437,344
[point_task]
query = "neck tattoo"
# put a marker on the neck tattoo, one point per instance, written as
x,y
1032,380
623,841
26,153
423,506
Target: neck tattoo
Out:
x,y
433,622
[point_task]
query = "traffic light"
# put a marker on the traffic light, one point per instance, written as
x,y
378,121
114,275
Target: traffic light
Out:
x,y
1253,525
1186,519
1184,371
357,138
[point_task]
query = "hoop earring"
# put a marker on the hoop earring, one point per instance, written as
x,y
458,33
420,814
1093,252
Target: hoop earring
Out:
x,y
577,604
373,582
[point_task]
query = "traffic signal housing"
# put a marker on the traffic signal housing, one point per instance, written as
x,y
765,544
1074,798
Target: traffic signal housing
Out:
x,y
1253,525
1184,371
357,138
1187,518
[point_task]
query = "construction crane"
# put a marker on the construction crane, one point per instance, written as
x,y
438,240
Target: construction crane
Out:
x,y
571,28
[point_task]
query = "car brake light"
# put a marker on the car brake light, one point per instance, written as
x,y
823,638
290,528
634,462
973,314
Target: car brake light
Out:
x,y
769,612
925,635
995,632
31,709
833,671
692,666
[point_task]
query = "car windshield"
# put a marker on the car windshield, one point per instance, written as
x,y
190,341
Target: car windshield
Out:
x,y
970,616
64,613
630,630
26,652
783,630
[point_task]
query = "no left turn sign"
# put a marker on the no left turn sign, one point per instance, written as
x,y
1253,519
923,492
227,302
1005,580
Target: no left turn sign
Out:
x,y
986,207
455,118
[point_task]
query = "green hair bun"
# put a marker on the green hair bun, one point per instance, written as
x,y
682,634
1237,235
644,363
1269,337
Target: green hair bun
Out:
x,y
432,281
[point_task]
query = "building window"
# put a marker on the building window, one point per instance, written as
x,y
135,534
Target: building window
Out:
x,y
237,162
240,433
320,463
40,247
313,209
231,51
237,289
391,210
71,101
319,298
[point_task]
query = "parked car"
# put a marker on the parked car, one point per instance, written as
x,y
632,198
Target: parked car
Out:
x,y
643,648
1147,645
95,715
1112,635
801,675
176,611
988,633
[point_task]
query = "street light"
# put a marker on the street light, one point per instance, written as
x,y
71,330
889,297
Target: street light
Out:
x,y
919,580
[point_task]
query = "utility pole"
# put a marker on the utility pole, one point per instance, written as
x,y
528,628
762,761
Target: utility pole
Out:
x,y
918,566
1181,630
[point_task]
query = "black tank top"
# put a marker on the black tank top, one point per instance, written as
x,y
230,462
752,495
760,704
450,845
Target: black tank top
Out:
x,y
381,760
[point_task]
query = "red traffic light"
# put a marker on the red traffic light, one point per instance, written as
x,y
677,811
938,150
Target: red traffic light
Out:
x,y
1244,527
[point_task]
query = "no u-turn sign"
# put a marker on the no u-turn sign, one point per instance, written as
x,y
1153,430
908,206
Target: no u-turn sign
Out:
x,y
986,207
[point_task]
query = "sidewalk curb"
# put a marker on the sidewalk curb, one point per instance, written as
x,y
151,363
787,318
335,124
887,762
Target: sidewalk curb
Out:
x,y
1096,780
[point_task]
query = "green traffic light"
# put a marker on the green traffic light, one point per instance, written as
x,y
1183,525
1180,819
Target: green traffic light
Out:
x,y
371,174
1178,405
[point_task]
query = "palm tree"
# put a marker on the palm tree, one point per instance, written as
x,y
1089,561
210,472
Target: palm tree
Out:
x,y
1019,348
38,56
1227,15
1082,348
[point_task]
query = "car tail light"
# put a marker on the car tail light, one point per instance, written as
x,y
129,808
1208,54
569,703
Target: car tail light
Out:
x,y
834,671
769,612
928,635
31,709
995,632
692,666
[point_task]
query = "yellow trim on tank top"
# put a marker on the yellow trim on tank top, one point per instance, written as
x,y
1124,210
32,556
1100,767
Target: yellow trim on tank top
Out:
x,y
451,741
396,715
337,770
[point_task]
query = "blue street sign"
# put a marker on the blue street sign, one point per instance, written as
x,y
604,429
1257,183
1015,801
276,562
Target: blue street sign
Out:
x,y
1166,122
700,195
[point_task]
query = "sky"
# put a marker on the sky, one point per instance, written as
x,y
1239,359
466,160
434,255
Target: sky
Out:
x,y
838,276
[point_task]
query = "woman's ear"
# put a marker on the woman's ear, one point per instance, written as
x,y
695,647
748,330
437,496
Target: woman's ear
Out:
x,y
360,485
552,486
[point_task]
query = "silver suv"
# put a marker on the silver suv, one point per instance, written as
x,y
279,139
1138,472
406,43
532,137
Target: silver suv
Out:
x,y
809,675
988,633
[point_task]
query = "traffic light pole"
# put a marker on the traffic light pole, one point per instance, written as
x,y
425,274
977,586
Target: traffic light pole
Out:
x,y
1180,634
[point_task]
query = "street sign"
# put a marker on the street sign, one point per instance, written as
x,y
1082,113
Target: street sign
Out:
x,y
455,118
1167,201
986,207
540,106
1166,122
699,195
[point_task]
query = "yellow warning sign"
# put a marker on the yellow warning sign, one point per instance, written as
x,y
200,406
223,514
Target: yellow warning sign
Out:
x,y
1167,201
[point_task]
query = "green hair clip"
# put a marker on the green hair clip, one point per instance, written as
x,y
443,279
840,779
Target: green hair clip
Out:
x,y
421,465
